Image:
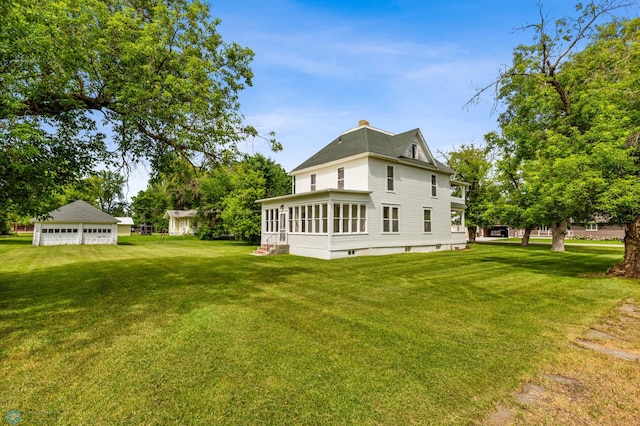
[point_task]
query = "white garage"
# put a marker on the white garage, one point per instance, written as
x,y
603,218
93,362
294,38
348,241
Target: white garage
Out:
x,y
76,223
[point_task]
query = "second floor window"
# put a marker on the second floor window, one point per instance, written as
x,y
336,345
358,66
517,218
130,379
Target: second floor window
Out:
x,y
390,179
434,186
313,182
341,178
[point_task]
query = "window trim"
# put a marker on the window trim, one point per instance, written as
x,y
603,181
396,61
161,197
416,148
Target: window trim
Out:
x,y
425,221
391,179
391,220
271,221
313,178
309,219
345,222
434,185
341,178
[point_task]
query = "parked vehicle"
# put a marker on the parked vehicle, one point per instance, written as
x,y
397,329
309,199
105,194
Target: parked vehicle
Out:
x,y
145,229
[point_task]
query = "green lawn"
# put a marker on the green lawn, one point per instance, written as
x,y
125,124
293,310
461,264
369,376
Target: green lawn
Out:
x,y
193,332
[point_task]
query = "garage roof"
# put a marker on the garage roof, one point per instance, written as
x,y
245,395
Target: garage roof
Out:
x,y
76,212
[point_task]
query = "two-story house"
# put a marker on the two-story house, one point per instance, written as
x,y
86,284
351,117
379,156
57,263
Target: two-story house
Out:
x,y
369,192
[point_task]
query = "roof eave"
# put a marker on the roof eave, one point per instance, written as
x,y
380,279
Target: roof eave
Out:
x,y
307,194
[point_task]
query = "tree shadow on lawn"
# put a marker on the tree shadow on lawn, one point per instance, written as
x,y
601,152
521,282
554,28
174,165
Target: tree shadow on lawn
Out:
x,y
14,240
576,260
103,299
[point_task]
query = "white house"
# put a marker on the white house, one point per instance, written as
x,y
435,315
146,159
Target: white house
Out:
x,y
181,222
124,226
368,192
76,223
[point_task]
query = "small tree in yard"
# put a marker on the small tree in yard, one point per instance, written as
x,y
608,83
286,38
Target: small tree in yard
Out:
x,y
515,204
473,166
253,178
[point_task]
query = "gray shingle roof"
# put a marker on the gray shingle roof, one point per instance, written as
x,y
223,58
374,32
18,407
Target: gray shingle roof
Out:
x,y
368,140
78,211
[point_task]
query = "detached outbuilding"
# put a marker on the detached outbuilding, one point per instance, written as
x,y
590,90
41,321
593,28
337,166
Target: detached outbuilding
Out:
x,y
124,226
181,222
76,223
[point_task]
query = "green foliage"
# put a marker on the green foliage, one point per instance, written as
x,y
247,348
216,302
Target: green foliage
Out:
x,y
156,73
180,180
563,147
224,195
608,70
35,164
252,179
473,166
205,232
150,205
4,223
103,189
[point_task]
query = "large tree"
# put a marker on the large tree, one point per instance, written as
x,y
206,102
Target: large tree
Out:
x,y
608,70
544,129
154,75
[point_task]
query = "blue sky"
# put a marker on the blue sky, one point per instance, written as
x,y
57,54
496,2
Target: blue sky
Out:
x,y
321,66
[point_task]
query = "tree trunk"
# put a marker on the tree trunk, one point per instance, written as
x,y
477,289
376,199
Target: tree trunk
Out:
x,y
558,232
630,267
473,231
525,237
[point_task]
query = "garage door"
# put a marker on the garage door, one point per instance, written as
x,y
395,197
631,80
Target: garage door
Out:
x,y
97,234
56,235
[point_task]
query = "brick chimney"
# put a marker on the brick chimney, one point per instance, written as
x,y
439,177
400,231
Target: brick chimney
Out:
x,y
363,123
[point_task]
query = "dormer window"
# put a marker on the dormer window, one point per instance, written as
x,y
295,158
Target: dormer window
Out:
x,y
414,151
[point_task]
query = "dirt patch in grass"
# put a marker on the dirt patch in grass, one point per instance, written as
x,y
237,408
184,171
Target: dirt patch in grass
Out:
x,y
594,382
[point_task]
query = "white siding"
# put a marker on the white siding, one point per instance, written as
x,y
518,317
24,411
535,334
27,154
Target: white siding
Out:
x,y
412,193
181,226
55,234
355,176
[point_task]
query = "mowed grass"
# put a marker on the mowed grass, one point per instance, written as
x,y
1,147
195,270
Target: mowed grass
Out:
x,y
193,332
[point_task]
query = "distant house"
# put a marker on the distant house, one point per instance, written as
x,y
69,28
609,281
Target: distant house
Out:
x,y
124,226
75,223
181,222
368,192
597,231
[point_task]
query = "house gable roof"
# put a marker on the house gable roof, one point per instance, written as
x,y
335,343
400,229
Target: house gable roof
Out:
x,y
179,214
366,139
76,212
124,220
